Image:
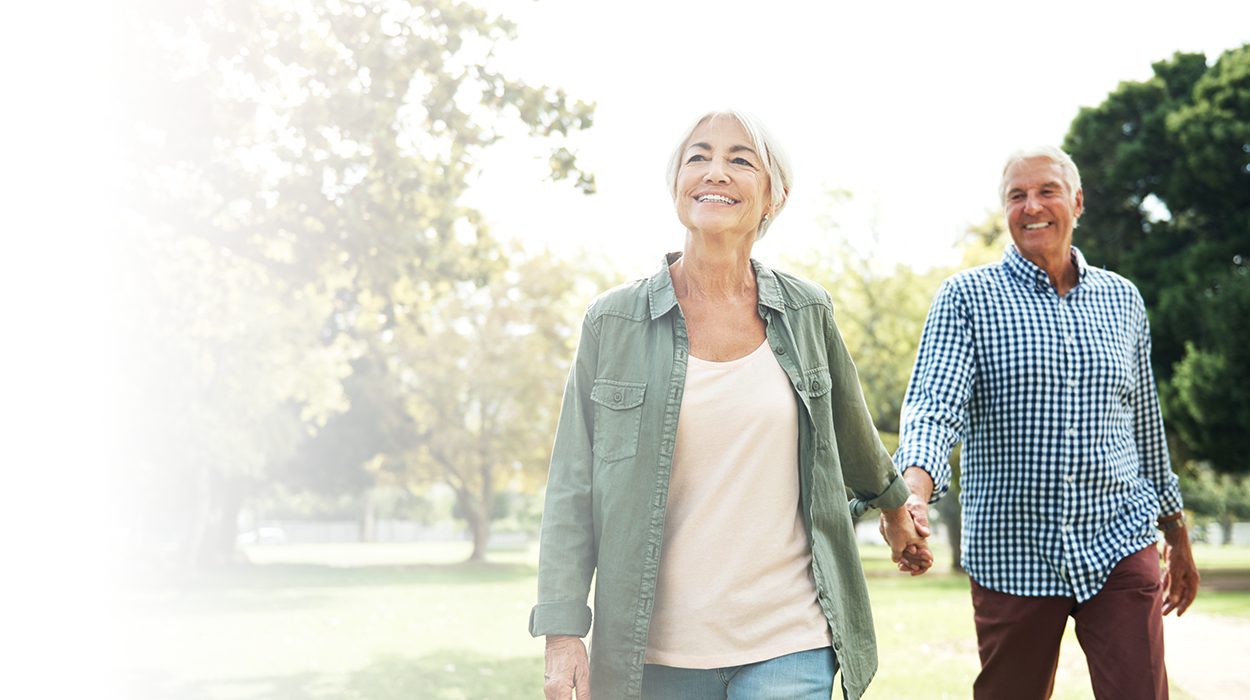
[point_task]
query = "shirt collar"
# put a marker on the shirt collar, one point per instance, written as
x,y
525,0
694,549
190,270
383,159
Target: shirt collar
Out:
x,y
1028,272
662,297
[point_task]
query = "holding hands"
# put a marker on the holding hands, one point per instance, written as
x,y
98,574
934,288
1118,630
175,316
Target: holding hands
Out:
x,y
906,529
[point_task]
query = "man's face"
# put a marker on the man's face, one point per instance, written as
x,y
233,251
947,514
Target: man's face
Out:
x,y
1041,212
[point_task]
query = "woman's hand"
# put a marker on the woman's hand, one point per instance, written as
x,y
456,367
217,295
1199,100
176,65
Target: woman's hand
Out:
x,y
568,668
906,530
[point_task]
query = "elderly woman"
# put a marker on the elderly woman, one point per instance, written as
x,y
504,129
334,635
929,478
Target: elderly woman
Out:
x,y
712,427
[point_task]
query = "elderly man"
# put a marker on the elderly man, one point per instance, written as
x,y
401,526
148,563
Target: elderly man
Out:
x,y
1040,364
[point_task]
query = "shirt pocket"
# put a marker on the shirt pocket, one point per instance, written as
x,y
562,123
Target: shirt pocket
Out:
x,y
816,382
814,388
618,418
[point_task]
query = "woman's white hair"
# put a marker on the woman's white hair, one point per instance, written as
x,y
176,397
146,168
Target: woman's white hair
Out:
x,y
1071,176
776,164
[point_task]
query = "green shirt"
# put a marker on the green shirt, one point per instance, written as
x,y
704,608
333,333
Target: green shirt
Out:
x,y
608,484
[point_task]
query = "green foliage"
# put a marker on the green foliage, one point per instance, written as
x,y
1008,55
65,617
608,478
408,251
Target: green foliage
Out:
x,y
1215,497
294,174
1165,166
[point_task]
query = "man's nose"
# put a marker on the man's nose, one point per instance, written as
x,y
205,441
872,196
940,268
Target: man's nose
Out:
x,y
1032,205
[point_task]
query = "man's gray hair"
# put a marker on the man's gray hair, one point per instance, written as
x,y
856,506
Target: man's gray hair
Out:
x,y
776,164
1071,176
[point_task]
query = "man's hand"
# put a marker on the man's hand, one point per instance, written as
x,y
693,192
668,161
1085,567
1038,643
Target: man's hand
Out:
x,y
1180,583
567,670
914,558
906,533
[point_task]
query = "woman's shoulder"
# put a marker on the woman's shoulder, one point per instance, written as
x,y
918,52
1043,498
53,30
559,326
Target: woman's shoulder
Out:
x,y
797,291
625,300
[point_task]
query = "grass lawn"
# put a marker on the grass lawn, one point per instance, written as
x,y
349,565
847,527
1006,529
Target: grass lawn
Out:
x,y
390,621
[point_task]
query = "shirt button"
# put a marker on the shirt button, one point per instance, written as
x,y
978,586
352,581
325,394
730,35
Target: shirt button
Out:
x,y
780,350
1071,432
1069,478
1072,383
815,386
617,397
1071,340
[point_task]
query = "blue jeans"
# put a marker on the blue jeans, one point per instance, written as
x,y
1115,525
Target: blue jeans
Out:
x,y
804,675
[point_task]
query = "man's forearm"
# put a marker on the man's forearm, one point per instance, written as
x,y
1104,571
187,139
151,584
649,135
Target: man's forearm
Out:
x,y
919,483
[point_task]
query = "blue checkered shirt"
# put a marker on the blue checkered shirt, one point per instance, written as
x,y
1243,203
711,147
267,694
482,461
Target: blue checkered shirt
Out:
x,y
1064,467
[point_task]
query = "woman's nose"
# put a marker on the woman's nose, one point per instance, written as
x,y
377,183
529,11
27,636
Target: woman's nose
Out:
x,y
715,173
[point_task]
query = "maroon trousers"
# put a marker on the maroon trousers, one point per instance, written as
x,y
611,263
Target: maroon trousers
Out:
x,y
1120,629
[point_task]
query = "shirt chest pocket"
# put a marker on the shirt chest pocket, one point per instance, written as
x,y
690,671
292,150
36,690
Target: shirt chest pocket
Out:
x,y
814,389
618,418
816,383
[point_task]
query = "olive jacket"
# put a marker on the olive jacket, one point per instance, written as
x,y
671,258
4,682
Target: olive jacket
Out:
x,y
608,483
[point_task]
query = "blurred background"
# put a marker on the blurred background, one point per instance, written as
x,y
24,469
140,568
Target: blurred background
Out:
x,y
348,248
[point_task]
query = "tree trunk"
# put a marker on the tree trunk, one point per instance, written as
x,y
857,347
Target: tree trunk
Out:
x,y
479,523
481,515
477,515
215,531
368,531
1226,528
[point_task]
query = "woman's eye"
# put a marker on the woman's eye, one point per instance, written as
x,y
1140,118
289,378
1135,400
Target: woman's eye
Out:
x,y
695,157
744,161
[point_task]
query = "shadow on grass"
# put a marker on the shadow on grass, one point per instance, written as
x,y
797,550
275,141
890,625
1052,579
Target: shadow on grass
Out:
x,y
300,686
245,576
448,675
269,587
444,675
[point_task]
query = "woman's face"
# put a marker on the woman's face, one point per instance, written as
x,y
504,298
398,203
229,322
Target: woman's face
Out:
x,y
722,186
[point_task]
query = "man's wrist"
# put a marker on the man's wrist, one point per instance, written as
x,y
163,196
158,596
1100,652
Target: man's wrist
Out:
x,y
919,482
1170,523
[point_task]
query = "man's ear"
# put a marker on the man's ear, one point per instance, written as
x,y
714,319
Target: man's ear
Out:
x,y
1080,204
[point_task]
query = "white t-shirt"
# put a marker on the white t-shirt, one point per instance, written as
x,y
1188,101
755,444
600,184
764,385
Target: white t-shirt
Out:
x,y
735,585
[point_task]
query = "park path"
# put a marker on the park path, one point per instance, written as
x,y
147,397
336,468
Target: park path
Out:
x,y
1207,655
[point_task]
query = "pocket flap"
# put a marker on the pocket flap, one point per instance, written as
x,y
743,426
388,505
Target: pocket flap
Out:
x,y
816,382
617,396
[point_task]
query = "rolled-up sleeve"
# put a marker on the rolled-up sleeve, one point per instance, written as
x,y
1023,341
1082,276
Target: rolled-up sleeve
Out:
x,y
567,553
935,408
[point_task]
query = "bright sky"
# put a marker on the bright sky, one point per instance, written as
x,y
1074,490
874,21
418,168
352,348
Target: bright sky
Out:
x,y
912,106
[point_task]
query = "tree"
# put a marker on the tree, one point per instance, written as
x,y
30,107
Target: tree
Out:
x,y
1222,497
482,380
289,166
1165,167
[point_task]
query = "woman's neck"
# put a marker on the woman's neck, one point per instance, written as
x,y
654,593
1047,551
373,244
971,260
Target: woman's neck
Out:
x,y
713,270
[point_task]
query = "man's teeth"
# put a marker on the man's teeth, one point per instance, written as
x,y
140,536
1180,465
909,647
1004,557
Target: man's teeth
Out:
x,y
715,198
1034,227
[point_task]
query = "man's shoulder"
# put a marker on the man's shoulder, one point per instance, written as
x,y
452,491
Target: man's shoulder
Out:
x,y
974,281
